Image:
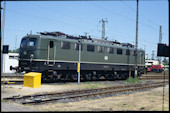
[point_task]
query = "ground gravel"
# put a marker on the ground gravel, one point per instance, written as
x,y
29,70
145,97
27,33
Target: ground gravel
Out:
x,y
148,100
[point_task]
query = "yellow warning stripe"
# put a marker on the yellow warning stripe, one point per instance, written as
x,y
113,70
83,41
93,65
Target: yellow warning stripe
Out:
x,y
8,82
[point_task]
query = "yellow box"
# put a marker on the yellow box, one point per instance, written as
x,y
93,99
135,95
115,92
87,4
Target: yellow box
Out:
x,y
32,79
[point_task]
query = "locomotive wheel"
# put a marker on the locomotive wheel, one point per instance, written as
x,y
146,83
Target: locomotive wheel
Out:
x,y
66,77
76,76
55,76
91,76
98,76
73,77
126,75
123,76
44,74
112,77
87,77
118,76
107,76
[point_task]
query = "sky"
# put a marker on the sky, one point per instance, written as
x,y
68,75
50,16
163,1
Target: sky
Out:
x,y
78,17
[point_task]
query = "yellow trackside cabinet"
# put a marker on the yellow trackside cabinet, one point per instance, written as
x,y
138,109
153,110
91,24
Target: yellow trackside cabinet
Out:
x,y
32,79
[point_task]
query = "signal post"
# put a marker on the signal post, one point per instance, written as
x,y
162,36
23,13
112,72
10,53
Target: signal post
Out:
x,y
78,64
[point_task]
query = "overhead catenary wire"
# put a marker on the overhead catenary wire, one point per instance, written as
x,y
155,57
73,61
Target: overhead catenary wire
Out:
x,y
121,16
70,16
149,20
36,16
72,25
45,18
115,13
64,15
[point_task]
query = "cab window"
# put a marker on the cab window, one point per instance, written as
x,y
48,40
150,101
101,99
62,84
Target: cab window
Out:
x,y
119,51
32,42
65,45
90,48
23,42
127,52
76,46
100,49
110,50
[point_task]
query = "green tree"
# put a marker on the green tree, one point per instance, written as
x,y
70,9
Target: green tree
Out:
x,y
10,51
15,51
165,61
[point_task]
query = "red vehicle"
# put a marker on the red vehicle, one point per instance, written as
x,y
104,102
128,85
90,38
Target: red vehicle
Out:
x,y
148,69
155,68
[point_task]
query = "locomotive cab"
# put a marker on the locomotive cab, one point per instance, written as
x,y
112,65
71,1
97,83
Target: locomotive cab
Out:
x,y
27,52
27,47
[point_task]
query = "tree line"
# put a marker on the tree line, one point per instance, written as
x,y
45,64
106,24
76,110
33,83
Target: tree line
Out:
x,y
14,51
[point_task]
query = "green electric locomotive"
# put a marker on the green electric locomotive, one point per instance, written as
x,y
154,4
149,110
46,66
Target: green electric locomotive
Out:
x,y
56,55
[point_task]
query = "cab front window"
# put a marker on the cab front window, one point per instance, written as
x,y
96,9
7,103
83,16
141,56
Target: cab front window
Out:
x,y
32,42
23,43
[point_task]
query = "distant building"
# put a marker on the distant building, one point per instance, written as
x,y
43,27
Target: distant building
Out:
x,y
7,60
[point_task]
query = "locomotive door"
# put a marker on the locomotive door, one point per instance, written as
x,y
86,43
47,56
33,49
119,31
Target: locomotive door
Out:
x,y
128,59
140,57
128,56
51,52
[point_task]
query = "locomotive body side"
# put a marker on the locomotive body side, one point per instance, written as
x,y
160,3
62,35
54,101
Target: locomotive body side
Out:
x,y
57,57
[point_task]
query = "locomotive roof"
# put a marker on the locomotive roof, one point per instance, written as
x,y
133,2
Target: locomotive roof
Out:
x,y
83,39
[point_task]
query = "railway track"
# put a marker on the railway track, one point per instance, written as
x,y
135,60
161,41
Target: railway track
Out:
x,y
11,81
153,77
80,94
12,76
8,82
17,82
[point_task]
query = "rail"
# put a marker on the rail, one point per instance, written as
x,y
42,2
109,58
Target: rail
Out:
x,y
49,97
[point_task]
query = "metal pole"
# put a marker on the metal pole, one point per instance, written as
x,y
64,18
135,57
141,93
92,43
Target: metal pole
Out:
x,y
86,34
153,55
16,41
3,24
103,28
2,35
136,66
4,55
160,34
163,89
160,41
79,62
